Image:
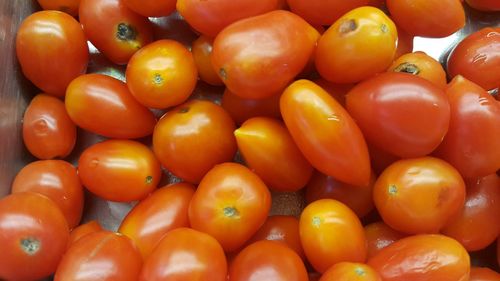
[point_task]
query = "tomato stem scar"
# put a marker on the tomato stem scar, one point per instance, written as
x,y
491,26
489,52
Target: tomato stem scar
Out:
x,y
359,271
149,179
384,28
158,79
231,212
348,26
30,245
407,67
125,32
316,221
223,73
184,110
393,189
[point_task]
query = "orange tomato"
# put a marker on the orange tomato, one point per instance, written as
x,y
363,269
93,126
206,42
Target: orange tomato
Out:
x,y
323,12
202,54
67,6
379,235
242,109
483,274
82,230
347,271
151,8
420,64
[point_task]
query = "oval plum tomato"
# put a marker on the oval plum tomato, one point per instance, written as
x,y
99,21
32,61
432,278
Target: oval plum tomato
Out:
x,y
423,257
202,54
119,170
477,58
379,235
325,133
483,274
357,46
242,109
331,233
405,43
151,8
185,254
422,65
210,17
193,137
82,230
395,110
33,235
337,91
282,44
428,18
419,195
48,132
162,74
103,105
321,12
164,210
347,271
484,5
267,260
473,113
114,29
52,50
67,6
231,204
101,255
57,180
261,141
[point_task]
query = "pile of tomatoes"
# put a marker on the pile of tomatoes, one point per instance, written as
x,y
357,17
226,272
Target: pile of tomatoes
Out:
x,y
322,97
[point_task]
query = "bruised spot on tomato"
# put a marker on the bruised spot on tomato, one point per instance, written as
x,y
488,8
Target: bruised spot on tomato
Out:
x,y
359,271
30,245
393,189
407,67
126,32
349,25
223,73
149,179
231,212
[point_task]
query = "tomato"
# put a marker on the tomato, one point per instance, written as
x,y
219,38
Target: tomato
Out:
x,y
483,274
202,54
282,44
185,254
380,159
151,8
419,195
114,29
484,5
33,235
210,17
473,113
261,141
325,133
498,251
331,233
477,58
242,109
57,180
119,170
422,65
82,230
231,204
321,12
377,4
314,276
267,260
423,257
347,271
48,132
357,46
379,235
193,137
103,105
394,111
67,6
52,50
405,43
428,18
337,91
162,211
101,255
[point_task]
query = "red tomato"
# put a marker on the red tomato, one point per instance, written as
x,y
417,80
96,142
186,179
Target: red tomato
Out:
x,y
377,4
48,132
380,159
67,6
185,254
325,133
82,230
242,109
119,170
231,204
347,271
484,5
52,50
483,274
395,110
33,235
202,54
405,43
282,44
103,105
151,8
321,12
314,276
498,251
337,91
379,235
422,65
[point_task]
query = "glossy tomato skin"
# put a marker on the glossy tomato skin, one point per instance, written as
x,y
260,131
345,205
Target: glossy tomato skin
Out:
x,y
51,57
57,180
119,170
101,255
484,5
193,137
423,257
115,30
357,46
231,204
405,43
48,132
82,230
337,91
282,44
483,274
347,271
151,8
320,12
202,54
394,110
242,109
164,210
473,113
185,254
33,235
67,6
325,133
422,65
103,105
379,235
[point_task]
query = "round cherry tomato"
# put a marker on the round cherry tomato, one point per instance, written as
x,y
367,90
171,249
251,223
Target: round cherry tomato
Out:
x,y
119,170
82,230
114,29
103,105
101,255
67,6
379,235
162,74
267,260
423,257
357,46
483,274
185,254
395,112
57,180
231,204
422,65
33,235
242,109
52,50
193,137
151,8
282,44
202,54
405,43
162,211
48,132
331,233
325,133
321,12
347,271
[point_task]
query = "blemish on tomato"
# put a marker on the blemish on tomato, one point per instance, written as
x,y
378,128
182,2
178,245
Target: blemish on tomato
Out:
x,y
30,245
348,26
